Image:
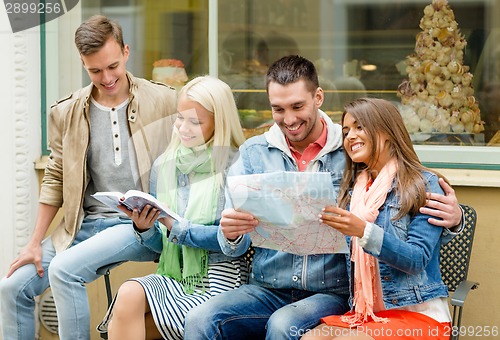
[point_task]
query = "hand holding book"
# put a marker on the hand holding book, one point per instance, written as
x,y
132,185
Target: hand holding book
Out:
x,y
134,203
145,219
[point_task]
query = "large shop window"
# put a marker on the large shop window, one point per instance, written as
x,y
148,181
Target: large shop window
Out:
x,y
157,31
438,61
363,48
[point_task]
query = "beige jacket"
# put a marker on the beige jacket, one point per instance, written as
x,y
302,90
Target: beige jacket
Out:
x,y
150,117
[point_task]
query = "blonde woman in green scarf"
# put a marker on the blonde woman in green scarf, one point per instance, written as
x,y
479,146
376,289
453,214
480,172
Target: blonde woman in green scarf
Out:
x,y
189,179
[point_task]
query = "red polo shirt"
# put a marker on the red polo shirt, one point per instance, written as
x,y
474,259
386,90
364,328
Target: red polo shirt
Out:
x,y
311,151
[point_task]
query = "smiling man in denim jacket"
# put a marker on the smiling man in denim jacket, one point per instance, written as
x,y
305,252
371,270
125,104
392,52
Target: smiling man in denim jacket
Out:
x,y
287,293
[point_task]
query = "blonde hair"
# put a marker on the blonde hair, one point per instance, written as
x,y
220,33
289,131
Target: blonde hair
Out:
x,y
215,96
376,117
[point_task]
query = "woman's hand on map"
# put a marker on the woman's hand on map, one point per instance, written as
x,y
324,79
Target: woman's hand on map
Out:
x,y
342,220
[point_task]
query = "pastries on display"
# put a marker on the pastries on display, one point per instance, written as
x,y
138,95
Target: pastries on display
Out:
x,y
438,95
170,72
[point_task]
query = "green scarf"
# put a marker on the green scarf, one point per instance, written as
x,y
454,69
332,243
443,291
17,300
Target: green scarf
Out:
x,y
187,265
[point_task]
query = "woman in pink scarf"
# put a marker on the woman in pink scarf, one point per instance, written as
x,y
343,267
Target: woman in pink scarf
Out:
x,y
397,290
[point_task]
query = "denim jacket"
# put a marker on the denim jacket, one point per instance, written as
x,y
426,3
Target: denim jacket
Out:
x,y
184,232
275,269
408,252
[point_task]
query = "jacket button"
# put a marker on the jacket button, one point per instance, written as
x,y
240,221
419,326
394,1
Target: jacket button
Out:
x,y
133,111
174,239
395,301
387,278
132,117
295,278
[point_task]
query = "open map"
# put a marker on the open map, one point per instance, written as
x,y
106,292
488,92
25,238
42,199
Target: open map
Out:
x,y
287,204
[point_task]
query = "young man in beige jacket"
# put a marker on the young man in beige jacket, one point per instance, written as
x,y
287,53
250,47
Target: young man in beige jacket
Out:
x,y
103,137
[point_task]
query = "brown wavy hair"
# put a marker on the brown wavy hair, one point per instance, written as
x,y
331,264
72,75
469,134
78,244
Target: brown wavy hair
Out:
x,y
378,116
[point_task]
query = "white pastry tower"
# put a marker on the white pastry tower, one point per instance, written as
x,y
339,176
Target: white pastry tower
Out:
x,y
438,95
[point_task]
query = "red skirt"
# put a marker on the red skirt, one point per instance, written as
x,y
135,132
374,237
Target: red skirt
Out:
x,y
402,325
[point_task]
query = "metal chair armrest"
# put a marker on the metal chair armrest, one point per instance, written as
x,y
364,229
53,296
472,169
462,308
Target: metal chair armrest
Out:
x,y
460,294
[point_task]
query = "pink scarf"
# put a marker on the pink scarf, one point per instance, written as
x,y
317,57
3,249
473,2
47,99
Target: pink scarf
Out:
x,y
365,205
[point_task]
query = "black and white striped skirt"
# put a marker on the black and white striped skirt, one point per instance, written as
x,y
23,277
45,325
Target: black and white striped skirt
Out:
x,y
169,303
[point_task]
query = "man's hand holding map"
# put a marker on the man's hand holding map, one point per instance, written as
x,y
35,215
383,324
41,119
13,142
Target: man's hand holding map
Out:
x,y
287,205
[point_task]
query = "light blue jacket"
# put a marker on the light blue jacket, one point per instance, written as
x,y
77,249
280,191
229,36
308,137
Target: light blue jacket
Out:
x,y
275,269
184,232
408,253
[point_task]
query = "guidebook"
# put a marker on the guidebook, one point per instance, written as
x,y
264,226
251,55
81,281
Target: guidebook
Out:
x,y
133,199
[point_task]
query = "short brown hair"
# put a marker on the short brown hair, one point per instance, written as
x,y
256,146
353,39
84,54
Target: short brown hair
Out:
x,y
93,34
292,68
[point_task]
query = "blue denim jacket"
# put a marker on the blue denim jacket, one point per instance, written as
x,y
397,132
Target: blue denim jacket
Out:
x,y
184,232
275,269
408,253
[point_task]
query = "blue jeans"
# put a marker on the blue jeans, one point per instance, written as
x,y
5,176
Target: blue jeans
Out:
x,y
98,243
254,312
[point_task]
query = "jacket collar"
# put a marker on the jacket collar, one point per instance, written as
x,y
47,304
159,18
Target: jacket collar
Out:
x,y
133,104
276,138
